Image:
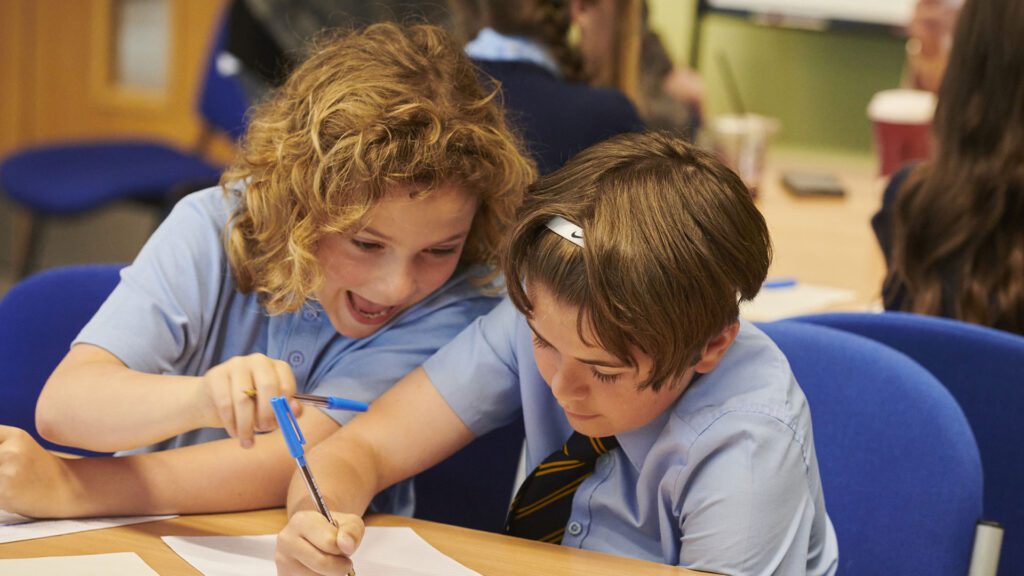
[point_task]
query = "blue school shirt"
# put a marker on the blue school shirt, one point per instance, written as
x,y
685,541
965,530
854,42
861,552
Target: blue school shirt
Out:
x,y
177,310
726,480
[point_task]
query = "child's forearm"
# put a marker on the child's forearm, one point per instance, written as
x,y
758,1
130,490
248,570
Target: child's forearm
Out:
x,y
212,477
345,473
94,401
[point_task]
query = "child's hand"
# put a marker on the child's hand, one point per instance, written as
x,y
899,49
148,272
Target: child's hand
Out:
x,y
33,482
309,544
237,393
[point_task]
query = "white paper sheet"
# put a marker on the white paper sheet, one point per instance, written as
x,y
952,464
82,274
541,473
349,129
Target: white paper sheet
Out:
x,y
14,527
385,551
120,563
775,303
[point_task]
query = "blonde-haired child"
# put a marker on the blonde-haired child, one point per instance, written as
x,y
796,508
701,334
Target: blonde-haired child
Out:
x,y
353,237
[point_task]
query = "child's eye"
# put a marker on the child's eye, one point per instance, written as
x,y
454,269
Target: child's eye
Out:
x,y
604,377
366,246
441,251
540,343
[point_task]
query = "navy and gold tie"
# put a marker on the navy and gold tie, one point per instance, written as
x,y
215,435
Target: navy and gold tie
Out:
x,y
544,501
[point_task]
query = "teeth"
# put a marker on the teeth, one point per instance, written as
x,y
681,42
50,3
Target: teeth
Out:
x,y
374,314
368,315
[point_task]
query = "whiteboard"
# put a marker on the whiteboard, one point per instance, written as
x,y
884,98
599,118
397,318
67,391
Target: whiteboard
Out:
x,y
883,12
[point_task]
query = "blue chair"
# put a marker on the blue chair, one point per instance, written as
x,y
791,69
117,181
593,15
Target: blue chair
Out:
x,y
39,317
983,369
72,178
473,487
899,467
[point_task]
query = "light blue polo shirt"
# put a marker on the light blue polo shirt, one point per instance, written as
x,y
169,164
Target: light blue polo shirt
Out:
x,y
177,310
726,480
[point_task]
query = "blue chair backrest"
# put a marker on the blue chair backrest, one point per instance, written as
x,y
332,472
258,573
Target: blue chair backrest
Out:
x,y
899,467
39,317
222,101
984,370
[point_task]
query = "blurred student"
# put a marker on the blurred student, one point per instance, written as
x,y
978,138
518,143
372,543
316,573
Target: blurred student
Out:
x,y
353,237
930,36
659,425
952,229
619,48
523,45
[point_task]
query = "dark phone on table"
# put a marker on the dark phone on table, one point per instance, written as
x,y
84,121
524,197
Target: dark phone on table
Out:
x,y
813,184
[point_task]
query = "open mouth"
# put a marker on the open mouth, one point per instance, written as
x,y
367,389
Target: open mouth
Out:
x,y
366,312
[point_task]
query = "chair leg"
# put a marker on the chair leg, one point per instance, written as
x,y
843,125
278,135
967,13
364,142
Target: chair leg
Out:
x,y
25,242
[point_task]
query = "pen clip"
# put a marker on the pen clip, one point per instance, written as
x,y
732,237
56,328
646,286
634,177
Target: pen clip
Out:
x,y
289,427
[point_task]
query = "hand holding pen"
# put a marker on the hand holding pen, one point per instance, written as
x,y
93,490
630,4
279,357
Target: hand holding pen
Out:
x,y
226,392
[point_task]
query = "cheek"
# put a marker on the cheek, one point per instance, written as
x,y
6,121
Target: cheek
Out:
x,y
345,271
434,273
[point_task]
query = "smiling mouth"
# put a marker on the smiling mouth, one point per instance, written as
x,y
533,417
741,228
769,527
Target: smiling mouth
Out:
x,y
371,314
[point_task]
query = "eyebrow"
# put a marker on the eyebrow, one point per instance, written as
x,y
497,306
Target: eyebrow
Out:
x,y
456,236
592,362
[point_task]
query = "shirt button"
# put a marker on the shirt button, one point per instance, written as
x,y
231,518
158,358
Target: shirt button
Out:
x,y
296,358
574,528
309,315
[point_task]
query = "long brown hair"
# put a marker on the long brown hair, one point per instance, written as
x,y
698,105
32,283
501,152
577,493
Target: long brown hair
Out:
x,y
383,106
960,217
672,244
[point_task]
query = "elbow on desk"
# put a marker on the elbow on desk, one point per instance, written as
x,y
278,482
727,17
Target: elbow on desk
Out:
x,y
52,422
47,424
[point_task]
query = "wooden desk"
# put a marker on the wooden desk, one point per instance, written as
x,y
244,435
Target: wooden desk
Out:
x,y
823,240
489,554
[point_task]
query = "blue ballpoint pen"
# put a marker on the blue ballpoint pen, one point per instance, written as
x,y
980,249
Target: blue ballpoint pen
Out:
x,y
295,440
332,402
329,402
781,282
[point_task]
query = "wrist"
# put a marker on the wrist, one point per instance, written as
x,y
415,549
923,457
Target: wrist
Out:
x,y
201,412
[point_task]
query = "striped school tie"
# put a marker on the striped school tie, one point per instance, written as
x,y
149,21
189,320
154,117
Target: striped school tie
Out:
x,y
544,501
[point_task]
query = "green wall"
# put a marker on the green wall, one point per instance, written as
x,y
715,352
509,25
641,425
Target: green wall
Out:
x,y
817,83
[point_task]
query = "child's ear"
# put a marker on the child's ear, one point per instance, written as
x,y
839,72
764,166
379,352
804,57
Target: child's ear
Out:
x,y
716,348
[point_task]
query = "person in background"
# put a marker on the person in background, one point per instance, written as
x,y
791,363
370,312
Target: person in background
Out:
x,y
523,46
659,425
620,49
952,228
930,36
356,233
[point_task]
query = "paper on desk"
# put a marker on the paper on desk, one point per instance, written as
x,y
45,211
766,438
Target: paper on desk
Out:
x,y
775,303
385,551
120,563
14,527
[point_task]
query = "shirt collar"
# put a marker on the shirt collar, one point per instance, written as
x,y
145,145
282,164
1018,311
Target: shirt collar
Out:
x,y
492,46
635,444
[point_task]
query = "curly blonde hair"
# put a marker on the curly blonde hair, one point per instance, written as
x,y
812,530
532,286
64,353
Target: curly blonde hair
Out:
x,y
375,108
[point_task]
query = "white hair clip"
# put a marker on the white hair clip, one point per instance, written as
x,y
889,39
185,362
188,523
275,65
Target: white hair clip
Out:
x,y
566,229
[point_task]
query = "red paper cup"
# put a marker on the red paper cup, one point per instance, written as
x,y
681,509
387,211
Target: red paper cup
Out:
x,y
902,127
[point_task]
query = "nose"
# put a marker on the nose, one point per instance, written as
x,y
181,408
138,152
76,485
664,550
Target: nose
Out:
x,y
397,282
